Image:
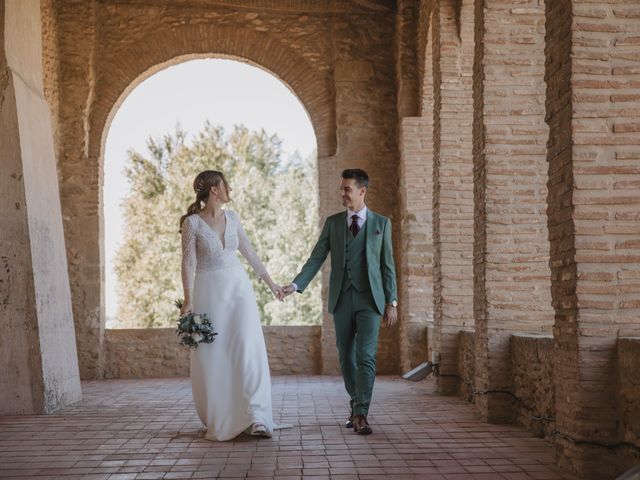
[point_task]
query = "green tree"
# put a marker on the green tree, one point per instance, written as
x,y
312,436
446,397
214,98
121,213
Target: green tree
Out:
x,y
276,199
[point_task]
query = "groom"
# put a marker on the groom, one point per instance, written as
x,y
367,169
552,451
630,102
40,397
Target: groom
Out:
x,y
362,288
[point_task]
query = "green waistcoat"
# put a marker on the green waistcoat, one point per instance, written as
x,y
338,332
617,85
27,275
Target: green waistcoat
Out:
x,y
355,271
378,263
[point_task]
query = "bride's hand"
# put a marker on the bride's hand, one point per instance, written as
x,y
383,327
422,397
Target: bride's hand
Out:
x,y
186,308
277,291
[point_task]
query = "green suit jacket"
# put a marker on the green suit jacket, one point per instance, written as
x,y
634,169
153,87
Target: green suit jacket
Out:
x,y
380,266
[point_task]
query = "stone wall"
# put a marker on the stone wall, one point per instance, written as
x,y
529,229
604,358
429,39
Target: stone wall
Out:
x,y
294,350
534,398
155,352
532,380
466,365
628,394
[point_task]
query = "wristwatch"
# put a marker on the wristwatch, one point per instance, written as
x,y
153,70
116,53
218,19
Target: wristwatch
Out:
x,y
393,304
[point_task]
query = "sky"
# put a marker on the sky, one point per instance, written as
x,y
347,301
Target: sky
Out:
x,y
225,92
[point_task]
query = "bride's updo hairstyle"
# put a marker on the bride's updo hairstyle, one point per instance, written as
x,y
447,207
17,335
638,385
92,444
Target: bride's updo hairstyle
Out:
x,y
202,185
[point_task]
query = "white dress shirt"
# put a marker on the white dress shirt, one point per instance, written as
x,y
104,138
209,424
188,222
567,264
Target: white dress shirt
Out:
x,y
361,215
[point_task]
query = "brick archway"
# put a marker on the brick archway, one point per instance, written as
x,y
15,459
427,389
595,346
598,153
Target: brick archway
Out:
x,y
140,59
345,87
112,76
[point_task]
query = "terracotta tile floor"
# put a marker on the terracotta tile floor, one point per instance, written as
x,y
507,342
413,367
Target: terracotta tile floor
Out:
x,y
126,429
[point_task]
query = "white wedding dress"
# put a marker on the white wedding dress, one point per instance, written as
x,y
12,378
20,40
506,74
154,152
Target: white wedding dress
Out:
x,y
230,377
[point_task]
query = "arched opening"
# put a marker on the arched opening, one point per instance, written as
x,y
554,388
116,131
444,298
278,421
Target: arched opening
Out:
x,y
250,96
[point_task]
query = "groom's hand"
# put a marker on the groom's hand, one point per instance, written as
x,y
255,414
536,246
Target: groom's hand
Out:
x,y
288,289
390,316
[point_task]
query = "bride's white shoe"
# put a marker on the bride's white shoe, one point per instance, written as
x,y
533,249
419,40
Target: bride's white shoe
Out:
x,y
259,430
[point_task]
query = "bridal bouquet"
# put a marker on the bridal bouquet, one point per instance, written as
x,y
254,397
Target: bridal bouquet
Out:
x,y
194,328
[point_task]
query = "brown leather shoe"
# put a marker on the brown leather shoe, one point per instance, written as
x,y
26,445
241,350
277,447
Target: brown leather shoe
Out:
x,y
361,426
349,422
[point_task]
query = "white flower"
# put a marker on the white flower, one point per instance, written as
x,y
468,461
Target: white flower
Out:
x,y
197,337
197,319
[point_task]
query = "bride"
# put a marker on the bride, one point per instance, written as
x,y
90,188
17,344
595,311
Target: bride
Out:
x,y
230,377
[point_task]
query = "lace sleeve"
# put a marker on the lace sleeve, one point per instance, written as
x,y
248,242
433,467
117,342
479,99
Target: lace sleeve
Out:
x,y
247,251
188,256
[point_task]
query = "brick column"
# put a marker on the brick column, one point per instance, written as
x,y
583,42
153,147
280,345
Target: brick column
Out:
x,y
416,197
594,197
37,345
453,181
367,134
511,249
406,49
415,264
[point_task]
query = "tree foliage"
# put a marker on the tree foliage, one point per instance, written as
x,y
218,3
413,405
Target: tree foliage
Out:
x,y
276,199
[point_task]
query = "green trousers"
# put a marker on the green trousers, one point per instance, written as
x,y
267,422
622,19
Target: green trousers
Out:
x,y
357,323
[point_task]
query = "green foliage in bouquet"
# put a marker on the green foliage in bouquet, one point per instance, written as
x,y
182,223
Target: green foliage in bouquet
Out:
x,y
194,328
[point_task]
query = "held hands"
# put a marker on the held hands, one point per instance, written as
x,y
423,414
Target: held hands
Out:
x,y
390,316
277,291
288,290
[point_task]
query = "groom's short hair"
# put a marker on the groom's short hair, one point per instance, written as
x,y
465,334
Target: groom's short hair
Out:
x,y
360,176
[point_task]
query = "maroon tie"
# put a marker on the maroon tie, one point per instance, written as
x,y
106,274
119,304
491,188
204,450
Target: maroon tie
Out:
x,y
354,225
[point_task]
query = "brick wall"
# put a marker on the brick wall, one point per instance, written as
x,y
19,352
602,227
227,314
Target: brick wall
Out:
x,y
424,57
511,249
453,180
416,278
407,64
558,105
342,70
592,82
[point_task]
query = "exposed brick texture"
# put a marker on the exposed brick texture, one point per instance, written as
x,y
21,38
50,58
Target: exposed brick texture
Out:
x,y
407,64
511,248
502,139
593,227
424,58
416,267
329,68
452,180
